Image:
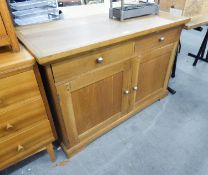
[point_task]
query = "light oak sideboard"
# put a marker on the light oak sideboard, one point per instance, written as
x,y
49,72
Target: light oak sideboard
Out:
x,y
26,126
99,72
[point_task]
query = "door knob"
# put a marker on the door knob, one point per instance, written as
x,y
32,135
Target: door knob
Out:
x,y
135,88
126,92
99,60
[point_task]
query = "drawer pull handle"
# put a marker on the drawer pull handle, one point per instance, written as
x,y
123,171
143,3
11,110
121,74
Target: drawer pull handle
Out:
x,y
135,88
99,60
20,148
126,92
162,39
9,127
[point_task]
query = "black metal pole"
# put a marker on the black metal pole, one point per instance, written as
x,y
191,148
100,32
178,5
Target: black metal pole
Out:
x,y
201,52
172,91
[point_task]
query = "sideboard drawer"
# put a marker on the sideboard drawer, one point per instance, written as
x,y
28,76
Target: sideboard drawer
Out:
x,y
21,117
96,59
155,53
18,146
18,88
156,40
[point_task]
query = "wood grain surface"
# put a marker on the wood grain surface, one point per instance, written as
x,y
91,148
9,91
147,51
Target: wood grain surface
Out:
x,y
59,39
68,69
7,29
14,61
190,8
26,125
196,9
197,21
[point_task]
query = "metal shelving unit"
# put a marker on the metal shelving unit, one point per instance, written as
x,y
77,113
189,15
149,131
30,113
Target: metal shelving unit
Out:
x,y
34,11
133,9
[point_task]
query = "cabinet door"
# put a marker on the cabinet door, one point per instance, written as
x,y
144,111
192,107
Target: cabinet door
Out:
x,y
154,72
94,100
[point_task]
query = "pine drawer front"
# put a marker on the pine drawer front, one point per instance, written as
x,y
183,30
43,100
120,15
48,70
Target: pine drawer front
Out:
x,y
156,40
18,88
88,62
19,146
155,53
21,117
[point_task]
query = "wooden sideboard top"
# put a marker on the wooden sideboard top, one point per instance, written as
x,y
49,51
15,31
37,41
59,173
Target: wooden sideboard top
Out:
x,y
12,61
52,41
197,21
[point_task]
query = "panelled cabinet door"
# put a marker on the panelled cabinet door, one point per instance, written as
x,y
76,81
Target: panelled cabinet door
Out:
x,y
152,74
95,99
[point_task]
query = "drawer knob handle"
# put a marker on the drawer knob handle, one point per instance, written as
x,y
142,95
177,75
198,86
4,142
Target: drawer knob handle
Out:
x,y
99,60
126,92
135,88
162,39
9,127
20,148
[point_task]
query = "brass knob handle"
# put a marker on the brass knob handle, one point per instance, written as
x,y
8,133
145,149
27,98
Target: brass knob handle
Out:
x,y
100,60
126,92
162,39
135,88
9,127
20,148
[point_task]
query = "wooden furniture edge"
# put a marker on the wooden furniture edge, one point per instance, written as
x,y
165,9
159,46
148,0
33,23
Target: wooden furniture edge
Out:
x,y
44,98
9,26
16,62
196,22
51,152
51,92
170,66
15,71
61,56
48,148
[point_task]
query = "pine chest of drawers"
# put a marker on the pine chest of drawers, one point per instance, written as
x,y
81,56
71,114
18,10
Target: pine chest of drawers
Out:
x,y
26,126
